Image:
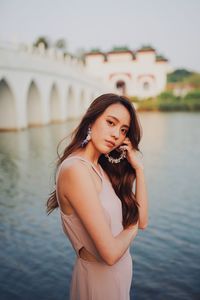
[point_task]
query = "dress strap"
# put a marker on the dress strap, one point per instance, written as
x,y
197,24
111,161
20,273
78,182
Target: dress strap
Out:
x,y
100,173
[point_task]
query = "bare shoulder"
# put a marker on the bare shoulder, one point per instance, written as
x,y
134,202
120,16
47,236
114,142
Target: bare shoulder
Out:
x,y
73,169
74,175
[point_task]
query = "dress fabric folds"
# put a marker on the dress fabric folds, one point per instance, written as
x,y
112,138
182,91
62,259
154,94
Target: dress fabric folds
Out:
x,y
97,280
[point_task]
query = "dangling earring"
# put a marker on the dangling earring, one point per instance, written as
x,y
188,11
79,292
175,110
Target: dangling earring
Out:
x,y
116,160
87,139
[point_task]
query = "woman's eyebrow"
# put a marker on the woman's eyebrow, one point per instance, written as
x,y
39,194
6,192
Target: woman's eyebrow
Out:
x,y
118,121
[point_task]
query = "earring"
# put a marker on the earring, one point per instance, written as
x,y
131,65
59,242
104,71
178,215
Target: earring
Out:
x,y
87,139
116,160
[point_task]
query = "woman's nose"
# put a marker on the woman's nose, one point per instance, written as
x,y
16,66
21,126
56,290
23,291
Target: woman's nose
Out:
x,y
116,133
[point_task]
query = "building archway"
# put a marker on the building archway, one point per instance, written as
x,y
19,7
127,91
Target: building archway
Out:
x,y
7,107
121,87
146,86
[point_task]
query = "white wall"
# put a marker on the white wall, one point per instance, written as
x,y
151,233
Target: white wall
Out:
x,y
134,72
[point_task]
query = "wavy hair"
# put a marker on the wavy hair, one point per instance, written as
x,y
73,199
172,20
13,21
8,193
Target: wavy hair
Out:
x,y
121,175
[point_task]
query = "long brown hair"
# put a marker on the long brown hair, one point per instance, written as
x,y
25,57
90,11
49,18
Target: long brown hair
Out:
x,y
121,175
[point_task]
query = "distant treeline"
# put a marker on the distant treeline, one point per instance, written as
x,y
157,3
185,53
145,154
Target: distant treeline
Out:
x,y
182,94
182,77
167,101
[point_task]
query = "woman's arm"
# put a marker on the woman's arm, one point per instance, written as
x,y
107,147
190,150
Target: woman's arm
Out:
x,y
141,197
76,184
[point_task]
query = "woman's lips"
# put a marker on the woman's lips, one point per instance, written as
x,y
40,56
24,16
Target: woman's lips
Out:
x,y
110,144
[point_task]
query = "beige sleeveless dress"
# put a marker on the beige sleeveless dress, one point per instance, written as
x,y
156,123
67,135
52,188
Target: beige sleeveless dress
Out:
x,y
97,280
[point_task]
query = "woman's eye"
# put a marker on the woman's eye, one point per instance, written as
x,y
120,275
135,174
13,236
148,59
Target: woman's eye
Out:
x,y
124,131
110,122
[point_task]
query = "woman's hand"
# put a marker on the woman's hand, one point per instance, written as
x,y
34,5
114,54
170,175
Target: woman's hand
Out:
x,y
132,155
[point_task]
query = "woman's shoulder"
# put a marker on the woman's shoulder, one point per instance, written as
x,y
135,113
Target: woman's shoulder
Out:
x,y
71,166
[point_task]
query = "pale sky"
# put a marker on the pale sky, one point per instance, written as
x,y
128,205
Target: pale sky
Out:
x,y
172,27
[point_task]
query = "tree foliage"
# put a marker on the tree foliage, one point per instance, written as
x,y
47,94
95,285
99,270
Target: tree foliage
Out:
x,y
42,40
193,80
61,44
178,75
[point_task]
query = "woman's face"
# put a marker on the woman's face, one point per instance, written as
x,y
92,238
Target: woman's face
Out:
x,y
110,129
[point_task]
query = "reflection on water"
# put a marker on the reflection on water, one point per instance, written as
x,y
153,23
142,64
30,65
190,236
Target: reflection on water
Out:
x,y
36,258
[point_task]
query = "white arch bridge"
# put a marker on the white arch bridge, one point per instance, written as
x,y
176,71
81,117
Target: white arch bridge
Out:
x,y
40,86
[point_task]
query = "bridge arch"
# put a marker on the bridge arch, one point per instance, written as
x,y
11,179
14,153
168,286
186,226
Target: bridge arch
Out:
x,y
82,102
34,105
55,104
7,107
71,102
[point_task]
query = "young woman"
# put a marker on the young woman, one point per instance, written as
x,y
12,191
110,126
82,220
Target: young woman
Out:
x,y
100,211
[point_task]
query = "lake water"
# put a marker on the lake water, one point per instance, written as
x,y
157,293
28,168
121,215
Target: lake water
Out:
x,y
37,259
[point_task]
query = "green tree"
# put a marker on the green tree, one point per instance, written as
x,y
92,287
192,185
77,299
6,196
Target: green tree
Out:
x,y
61,44
193,80
178,75
44,40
